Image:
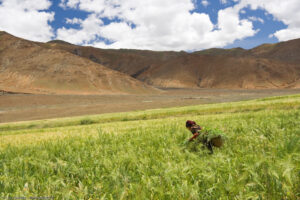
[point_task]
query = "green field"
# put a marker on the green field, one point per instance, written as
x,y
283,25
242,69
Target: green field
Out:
x,y
141,155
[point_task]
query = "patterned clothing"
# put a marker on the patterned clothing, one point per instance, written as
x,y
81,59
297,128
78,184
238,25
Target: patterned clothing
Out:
x,y
206,138
195,129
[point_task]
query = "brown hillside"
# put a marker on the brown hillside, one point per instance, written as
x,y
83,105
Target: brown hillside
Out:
x,y
131,62
267,66
31,68
223,72
224,52
61,67
288,51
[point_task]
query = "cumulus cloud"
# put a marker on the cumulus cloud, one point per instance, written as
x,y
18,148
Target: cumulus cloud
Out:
x,y
253,18
89,29
288,34
27,19
286,11
74,21
230,27
155,24
149,24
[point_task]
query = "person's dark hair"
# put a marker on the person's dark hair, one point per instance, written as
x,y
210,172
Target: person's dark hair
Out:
x,y
189,123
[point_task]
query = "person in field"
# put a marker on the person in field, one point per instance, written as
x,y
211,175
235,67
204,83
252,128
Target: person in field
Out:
x,y
207,139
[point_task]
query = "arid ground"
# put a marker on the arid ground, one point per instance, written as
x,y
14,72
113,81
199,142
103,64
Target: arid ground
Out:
x,y
22,107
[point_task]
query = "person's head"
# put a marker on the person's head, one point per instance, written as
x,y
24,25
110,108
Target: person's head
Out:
x,y
189,124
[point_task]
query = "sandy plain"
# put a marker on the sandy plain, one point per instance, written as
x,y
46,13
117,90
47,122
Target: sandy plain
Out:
x,y
23,107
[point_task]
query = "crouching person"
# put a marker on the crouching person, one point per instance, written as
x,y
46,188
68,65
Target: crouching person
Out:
x,y
208,139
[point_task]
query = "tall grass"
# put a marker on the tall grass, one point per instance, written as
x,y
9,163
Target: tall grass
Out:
x,y
281,102
146,158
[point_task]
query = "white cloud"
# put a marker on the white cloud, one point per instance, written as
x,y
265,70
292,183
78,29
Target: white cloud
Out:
x,y
242,11
253,18
286,11
227,1
90,28
69,3
231,27
158,25
287,34
74,21
25,18
205,3
149,24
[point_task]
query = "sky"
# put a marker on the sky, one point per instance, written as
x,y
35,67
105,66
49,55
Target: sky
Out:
x,y
177,25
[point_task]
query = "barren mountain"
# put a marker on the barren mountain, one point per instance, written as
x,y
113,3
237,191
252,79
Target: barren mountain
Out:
x,y
30,67
288,51
223,72
131,62
61,67
266,66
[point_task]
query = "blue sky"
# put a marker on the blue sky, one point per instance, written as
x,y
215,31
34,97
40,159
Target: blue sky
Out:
x,y
153,24
268,27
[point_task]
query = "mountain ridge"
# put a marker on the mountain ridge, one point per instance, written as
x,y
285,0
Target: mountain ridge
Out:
x,y
265,66
29,67
134,71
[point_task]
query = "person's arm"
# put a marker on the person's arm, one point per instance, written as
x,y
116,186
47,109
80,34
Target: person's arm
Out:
x,y
194,136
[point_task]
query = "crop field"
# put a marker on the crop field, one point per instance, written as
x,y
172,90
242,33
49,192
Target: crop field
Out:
x,y
142,155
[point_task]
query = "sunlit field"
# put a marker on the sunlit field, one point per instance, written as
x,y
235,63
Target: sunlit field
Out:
x,y
142,155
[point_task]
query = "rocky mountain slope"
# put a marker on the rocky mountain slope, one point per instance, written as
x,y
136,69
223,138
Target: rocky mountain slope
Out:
x,y
266,66
29,67
63,68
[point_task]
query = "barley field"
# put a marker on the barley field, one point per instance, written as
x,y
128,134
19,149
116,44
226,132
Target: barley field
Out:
x,y
142,155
